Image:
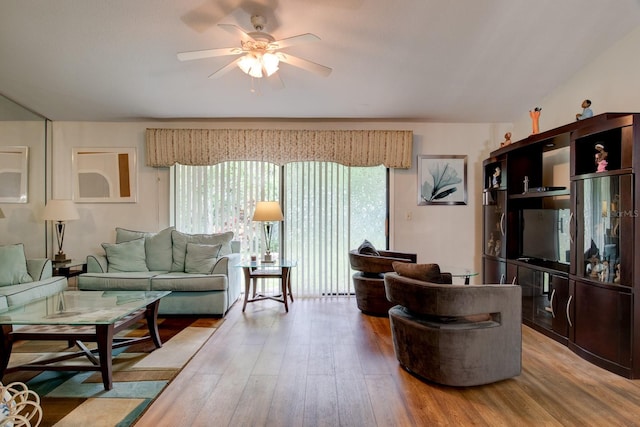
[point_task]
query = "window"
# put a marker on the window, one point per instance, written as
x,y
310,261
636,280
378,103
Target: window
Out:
x,y
328,209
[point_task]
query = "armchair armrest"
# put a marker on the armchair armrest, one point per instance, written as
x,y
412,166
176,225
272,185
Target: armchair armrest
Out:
x,y
97,264
39,268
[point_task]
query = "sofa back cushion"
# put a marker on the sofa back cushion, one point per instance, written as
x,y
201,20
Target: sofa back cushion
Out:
x,y
201,258
13,265
180,241
158,246
126,256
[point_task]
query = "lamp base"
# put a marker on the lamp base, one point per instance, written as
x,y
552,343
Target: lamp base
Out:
x,y
61,257
268,259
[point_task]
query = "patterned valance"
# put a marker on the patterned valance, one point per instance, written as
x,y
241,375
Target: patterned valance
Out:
x,y
166,147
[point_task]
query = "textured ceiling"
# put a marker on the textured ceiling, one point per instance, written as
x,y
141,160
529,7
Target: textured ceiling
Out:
x,y
437,60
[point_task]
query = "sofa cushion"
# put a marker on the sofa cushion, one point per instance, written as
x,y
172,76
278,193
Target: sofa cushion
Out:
x,y
201,258
180,241
126,257
25,292
424,272
367,248
13,265
180,281
158,246
132,281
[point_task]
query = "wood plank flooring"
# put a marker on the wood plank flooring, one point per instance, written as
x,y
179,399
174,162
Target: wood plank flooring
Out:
x,y
326,364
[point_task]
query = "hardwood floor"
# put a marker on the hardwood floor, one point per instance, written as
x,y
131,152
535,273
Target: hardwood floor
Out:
x,y
326,364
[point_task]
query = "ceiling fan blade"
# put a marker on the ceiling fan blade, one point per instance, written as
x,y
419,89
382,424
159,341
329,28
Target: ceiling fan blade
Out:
x,y
294,40
304,64
208,53
224,70
236,31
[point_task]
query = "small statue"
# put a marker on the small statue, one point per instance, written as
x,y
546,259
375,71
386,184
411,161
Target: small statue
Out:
x,y
507,139
586,111
496,178
498,248
616,278
490,244
604,271
594,267
601,158
535,119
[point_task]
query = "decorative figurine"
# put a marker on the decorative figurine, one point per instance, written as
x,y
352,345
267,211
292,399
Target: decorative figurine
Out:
x,y
498,248
507,139
604,271
616,278
601,158
535,120
526,184
496,179
490,244
586,111
594,267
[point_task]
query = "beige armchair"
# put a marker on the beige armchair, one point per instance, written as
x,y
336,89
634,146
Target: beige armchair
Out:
x,y
368,281
457,335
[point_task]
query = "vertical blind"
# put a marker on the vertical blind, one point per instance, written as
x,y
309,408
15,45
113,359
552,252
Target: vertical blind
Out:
x,y
317,200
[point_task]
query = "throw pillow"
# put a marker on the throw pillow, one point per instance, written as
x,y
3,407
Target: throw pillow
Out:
x,y
158,246
424,272
201,258
180,241
126,257
13,265
366,248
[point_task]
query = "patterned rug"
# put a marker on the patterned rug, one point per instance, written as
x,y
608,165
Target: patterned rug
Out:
x,y
139,375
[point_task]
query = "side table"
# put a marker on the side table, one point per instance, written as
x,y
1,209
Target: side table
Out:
x,y
279,269
69,269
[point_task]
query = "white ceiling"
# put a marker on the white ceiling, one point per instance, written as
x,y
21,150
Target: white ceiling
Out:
x,y
437,60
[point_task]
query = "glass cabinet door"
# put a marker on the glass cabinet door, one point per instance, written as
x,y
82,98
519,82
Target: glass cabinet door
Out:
x,y
494,222
604,210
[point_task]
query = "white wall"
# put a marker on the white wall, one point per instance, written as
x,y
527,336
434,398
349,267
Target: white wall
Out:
x,y
443,234
610,81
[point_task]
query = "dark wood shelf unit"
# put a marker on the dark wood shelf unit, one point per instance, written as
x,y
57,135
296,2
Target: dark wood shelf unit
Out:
x,y
589,298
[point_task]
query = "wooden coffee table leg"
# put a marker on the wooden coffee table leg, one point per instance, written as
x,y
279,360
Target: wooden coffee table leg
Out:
x,y
152,322
104,338
6,345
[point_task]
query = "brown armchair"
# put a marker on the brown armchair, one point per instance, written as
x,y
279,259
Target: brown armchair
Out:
x,y
457,335
368,281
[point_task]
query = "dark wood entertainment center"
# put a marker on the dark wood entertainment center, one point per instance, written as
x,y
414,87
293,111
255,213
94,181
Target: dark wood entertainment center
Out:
x,y
576,260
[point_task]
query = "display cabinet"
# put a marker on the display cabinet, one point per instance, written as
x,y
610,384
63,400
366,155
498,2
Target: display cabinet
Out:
x,y
566,216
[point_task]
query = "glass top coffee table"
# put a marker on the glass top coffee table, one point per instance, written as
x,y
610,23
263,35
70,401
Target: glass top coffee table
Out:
x,y
459,272
78,317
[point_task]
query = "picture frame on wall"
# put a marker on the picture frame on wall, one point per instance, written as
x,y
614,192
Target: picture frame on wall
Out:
x,y
14,174
104,175
442,180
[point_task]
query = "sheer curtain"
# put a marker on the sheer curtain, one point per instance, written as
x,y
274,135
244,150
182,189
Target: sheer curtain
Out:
x,y
328,209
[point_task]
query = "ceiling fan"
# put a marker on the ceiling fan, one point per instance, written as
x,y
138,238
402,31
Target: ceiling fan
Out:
x,y
259,52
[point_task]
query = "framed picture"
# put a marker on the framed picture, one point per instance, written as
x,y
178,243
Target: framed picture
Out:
x,y
14,174
104,175
442,180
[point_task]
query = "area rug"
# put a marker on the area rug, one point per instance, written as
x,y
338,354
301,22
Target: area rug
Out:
x,y
139,375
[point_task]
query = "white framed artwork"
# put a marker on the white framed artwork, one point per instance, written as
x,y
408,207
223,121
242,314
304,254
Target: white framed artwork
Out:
x,y
104,175
14,174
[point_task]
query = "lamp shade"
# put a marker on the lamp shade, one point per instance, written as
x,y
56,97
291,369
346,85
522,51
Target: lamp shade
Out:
x,y
268,211
60,210
1,214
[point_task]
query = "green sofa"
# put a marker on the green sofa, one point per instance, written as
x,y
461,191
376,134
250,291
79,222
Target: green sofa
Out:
x,y
23,280
200,270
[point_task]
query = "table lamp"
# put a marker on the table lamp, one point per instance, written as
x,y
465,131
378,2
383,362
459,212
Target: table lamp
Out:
x,y
60,211
268,213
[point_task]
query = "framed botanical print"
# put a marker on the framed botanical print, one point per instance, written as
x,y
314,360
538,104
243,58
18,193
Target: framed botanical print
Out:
x,y
442,180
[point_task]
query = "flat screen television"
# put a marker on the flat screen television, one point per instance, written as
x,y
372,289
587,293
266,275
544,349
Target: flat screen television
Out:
x,y
545,234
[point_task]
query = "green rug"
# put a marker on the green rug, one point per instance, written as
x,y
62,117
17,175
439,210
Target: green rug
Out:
x,y
139,375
